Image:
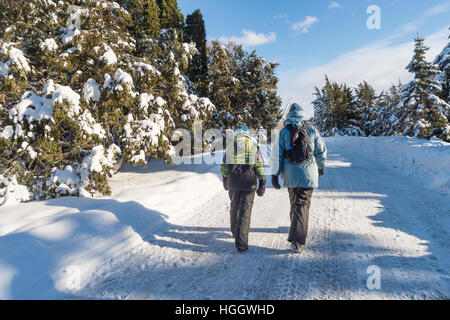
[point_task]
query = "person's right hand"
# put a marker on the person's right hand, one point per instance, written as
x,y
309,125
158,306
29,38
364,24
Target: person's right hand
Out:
x,y
321,172
262,188
275,183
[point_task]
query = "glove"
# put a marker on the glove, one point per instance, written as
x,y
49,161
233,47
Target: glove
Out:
x,y
225,183
321,172
261,188
275,183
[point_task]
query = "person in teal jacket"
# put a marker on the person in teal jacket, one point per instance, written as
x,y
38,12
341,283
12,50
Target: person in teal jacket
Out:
x,y
300,179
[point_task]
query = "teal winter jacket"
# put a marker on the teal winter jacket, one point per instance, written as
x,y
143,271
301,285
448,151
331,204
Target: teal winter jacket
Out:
x,y
304,175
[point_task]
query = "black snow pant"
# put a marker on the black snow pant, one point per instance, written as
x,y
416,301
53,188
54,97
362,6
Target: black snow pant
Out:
x,y
240,214
300,199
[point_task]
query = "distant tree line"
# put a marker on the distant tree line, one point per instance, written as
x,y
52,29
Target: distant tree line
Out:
x,y
420,108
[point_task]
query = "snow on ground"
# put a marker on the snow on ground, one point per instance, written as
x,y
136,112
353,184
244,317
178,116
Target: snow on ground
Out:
x,y
427,160
164,234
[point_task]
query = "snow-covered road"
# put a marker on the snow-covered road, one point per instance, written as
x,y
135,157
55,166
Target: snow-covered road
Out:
x,y
365,213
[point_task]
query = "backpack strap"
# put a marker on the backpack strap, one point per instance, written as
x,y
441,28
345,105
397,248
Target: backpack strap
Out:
x,y
293,130
306,125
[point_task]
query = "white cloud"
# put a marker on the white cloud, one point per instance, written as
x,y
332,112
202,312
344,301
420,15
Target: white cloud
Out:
x,y
280,16
250,38
303,26
438,9
416,24
380,63
334,5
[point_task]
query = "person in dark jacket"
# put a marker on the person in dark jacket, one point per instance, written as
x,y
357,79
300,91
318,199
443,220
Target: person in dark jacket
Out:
x,y
242,168
300,178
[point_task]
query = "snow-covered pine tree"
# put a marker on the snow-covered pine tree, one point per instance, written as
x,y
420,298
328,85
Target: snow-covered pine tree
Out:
x,y
421,114
257,102
442,62
387,112
173,59
53,140
222,85
323,111
348,119
243,87
335,110
439,96
76,95
365,107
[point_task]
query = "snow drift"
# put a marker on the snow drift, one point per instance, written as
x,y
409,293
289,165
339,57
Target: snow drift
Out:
x,y
426,160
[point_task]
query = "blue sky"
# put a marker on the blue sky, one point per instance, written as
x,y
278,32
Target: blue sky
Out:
x,y
311,38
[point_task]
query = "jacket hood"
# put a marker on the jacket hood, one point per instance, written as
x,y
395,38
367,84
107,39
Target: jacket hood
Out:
x,y
296,115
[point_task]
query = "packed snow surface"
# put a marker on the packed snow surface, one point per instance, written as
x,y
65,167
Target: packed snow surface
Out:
x,y
164,233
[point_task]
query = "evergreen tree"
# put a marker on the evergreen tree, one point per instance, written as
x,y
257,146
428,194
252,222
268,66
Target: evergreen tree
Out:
x,y
423,71
195,32
151,19
323,111
440,94
136,10
85,89
243,86
418,109
442,62
365,104
387,112
75,98
223,87
258,101
170,15
422,115
144,21
335,110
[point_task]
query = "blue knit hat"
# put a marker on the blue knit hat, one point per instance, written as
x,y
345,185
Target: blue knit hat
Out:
x,y
241,127
296,111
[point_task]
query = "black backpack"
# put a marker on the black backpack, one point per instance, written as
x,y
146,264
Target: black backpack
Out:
x,y
298,151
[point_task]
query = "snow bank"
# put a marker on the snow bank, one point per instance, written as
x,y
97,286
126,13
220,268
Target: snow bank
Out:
x,y
48,243
52,249
426,160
